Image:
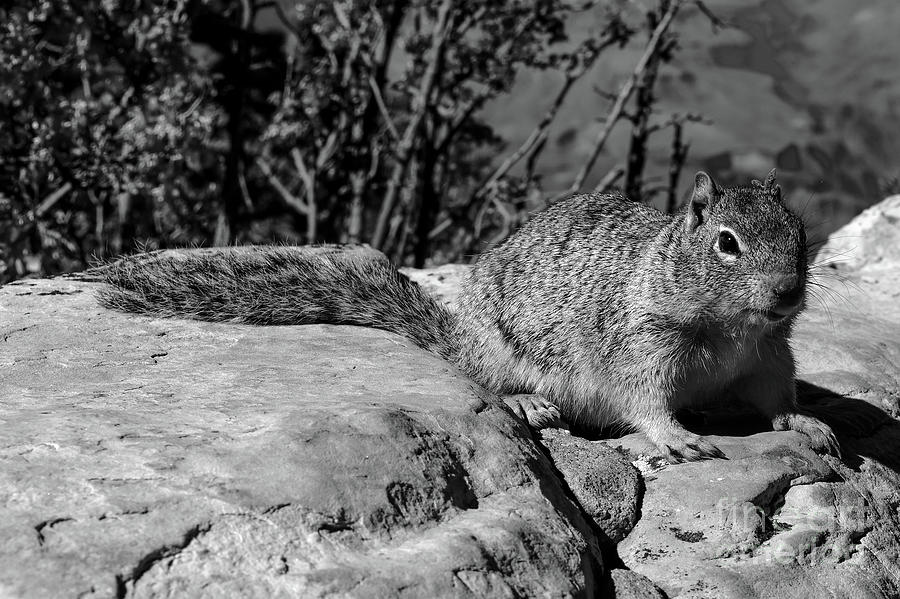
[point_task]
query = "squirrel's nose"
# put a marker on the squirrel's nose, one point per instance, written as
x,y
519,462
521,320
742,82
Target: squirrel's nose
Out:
x,y
789,292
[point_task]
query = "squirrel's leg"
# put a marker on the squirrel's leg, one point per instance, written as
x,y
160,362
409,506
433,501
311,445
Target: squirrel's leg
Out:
x,y
772,390
675,442
648,402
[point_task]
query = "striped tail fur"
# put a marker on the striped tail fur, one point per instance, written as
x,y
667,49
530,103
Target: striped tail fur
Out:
x,y
272,285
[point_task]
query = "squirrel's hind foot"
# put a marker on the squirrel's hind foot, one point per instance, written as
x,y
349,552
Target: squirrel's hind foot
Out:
x,y
823,439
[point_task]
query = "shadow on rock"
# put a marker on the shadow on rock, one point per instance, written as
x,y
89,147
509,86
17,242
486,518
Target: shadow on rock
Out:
x,y
863,429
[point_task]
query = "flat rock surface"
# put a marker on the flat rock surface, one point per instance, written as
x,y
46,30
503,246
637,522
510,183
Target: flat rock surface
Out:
x,y
168,458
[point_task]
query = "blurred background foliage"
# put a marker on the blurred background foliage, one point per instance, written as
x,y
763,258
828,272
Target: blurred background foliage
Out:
x,y
427,128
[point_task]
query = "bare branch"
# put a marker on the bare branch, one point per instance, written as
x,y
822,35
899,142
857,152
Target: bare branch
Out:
x,y
290,199
576,69
440,228
530,142
625,93
676,163
713,18
51,199
245,192
382,107
640,123
609,179
355,219
531,158
306,176
309,182
404,150
330,146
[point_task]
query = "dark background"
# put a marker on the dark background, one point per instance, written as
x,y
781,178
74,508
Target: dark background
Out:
x,y
148,124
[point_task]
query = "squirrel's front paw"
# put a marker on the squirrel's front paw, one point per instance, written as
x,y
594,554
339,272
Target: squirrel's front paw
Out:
x,y
536,411
823,439
684,446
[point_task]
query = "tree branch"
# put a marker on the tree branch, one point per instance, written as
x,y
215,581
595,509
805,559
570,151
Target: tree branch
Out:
x,y
382,107
676,163
404,150
624,94
290,199
609,179
51,199
713,18
578,66
309,182
530,142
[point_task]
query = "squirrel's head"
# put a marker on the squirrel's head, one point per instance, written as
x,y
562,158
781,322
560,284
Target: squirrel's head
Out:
x,y
750,250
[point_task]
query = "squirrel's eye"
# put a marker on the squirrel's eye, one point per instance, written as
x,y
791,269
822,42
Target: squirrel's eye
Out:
x,y
728,244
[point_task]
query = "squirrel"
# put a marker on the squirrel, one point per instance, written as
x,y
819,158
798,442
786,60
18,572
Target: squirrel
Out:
x,y
609,310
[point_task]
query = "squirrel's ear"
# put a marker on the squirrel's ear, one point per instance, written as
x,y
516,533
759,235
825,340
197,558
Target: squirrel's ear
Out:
x,y
769,186
703,197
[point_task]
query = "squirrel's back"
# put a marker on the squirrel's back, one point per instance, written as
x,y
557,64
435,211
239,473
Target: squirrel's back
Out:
x,y
561,284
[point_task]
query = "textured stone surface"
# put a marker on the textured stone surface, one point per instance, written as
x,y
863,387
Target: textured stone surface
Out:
x,y
869,241
146,457
625,583
604,482
441,281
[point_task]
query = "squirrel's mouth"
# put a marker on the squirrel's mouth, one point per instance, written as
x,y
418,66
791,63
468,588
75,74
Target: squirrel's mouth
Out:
x,y
773,316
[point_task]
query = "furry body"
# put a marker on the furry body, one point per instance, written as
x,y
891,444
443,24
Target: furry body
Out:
x,y
614,312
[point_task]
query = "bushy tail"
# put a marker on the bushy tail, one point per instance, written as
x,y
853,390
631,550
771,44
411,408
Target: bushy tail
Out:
x,y
280,286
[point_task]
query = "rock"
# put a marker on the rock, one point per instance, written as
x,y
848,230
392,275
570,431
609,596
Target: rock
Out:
x,y
146,457
868,242
625,583
603,481
440,281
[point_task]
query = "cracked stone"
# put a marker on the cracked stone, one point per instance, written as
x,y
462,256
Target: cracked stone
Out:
x,y
337,461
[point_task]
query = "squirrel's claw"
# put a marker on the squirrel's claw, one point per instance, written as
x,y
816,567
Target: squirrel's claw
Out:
x,y
684,446
821,435
538,412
